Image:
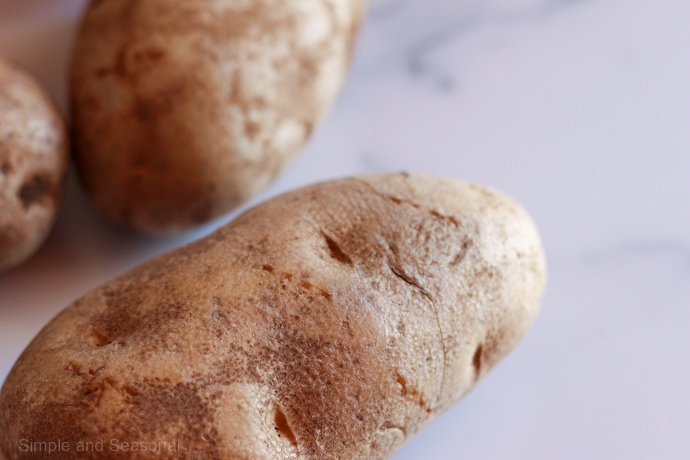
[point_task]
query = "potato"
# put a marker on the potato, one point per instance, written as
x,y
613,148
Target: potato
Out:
x,y
34,154
333,322
185,109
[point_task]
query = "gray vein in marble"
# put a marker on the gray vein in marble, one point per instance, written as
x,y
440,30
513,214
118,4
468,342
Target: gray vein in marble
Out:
x,y
420,65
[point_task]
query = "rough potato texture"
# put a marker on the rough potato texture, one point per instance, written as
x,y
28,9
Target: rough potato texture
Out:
x,y
33,160
185,109
333,322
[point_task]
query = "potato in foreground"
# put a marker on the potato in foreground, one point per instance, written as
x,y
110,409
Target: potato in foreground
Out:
x,y
185,109
34,155
332,322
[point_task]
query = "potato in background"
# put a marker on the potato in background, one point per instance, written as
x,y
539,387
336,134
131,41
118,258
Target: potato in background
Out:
x,y
185,109
34,154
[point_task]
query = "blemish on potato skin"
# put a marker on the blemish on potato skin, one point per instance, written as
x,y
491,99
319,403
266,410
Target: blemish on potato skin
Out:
x,y
283,426
305,284
335,250
132,390
34,190
98,340
477,361
460,256
153,55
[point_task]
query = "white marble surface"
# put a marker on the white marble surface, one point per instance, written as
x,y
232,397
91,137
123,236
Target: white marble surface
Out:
x,y
580,109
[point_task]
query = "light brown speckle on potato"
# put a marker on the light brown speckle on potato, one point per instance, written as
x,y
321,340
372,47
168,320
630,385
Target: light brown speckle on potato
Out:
x,y
332,322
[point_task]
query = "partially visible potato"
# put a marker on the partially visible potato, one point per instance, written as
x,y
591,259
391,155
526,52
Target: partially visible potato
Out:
x,y
185,109
33,160
333,322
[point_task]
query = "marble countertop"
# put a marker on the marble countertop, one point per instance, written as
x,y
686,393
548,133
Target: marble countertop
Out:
x,y
579,109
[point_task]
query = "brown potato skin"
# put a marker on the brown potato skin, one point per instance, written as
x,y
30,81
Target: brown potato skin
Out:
x,y
185,109
332,322
34,154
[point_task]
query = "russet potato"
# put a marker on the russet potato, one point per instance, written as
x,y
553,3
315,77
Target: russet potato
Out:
x,y
332,322
185,109
34,154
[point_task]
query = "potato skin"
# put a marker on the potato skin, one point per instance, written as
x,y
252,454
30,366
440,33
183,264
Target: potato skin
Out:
x,y
34,154
185,109
332,322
